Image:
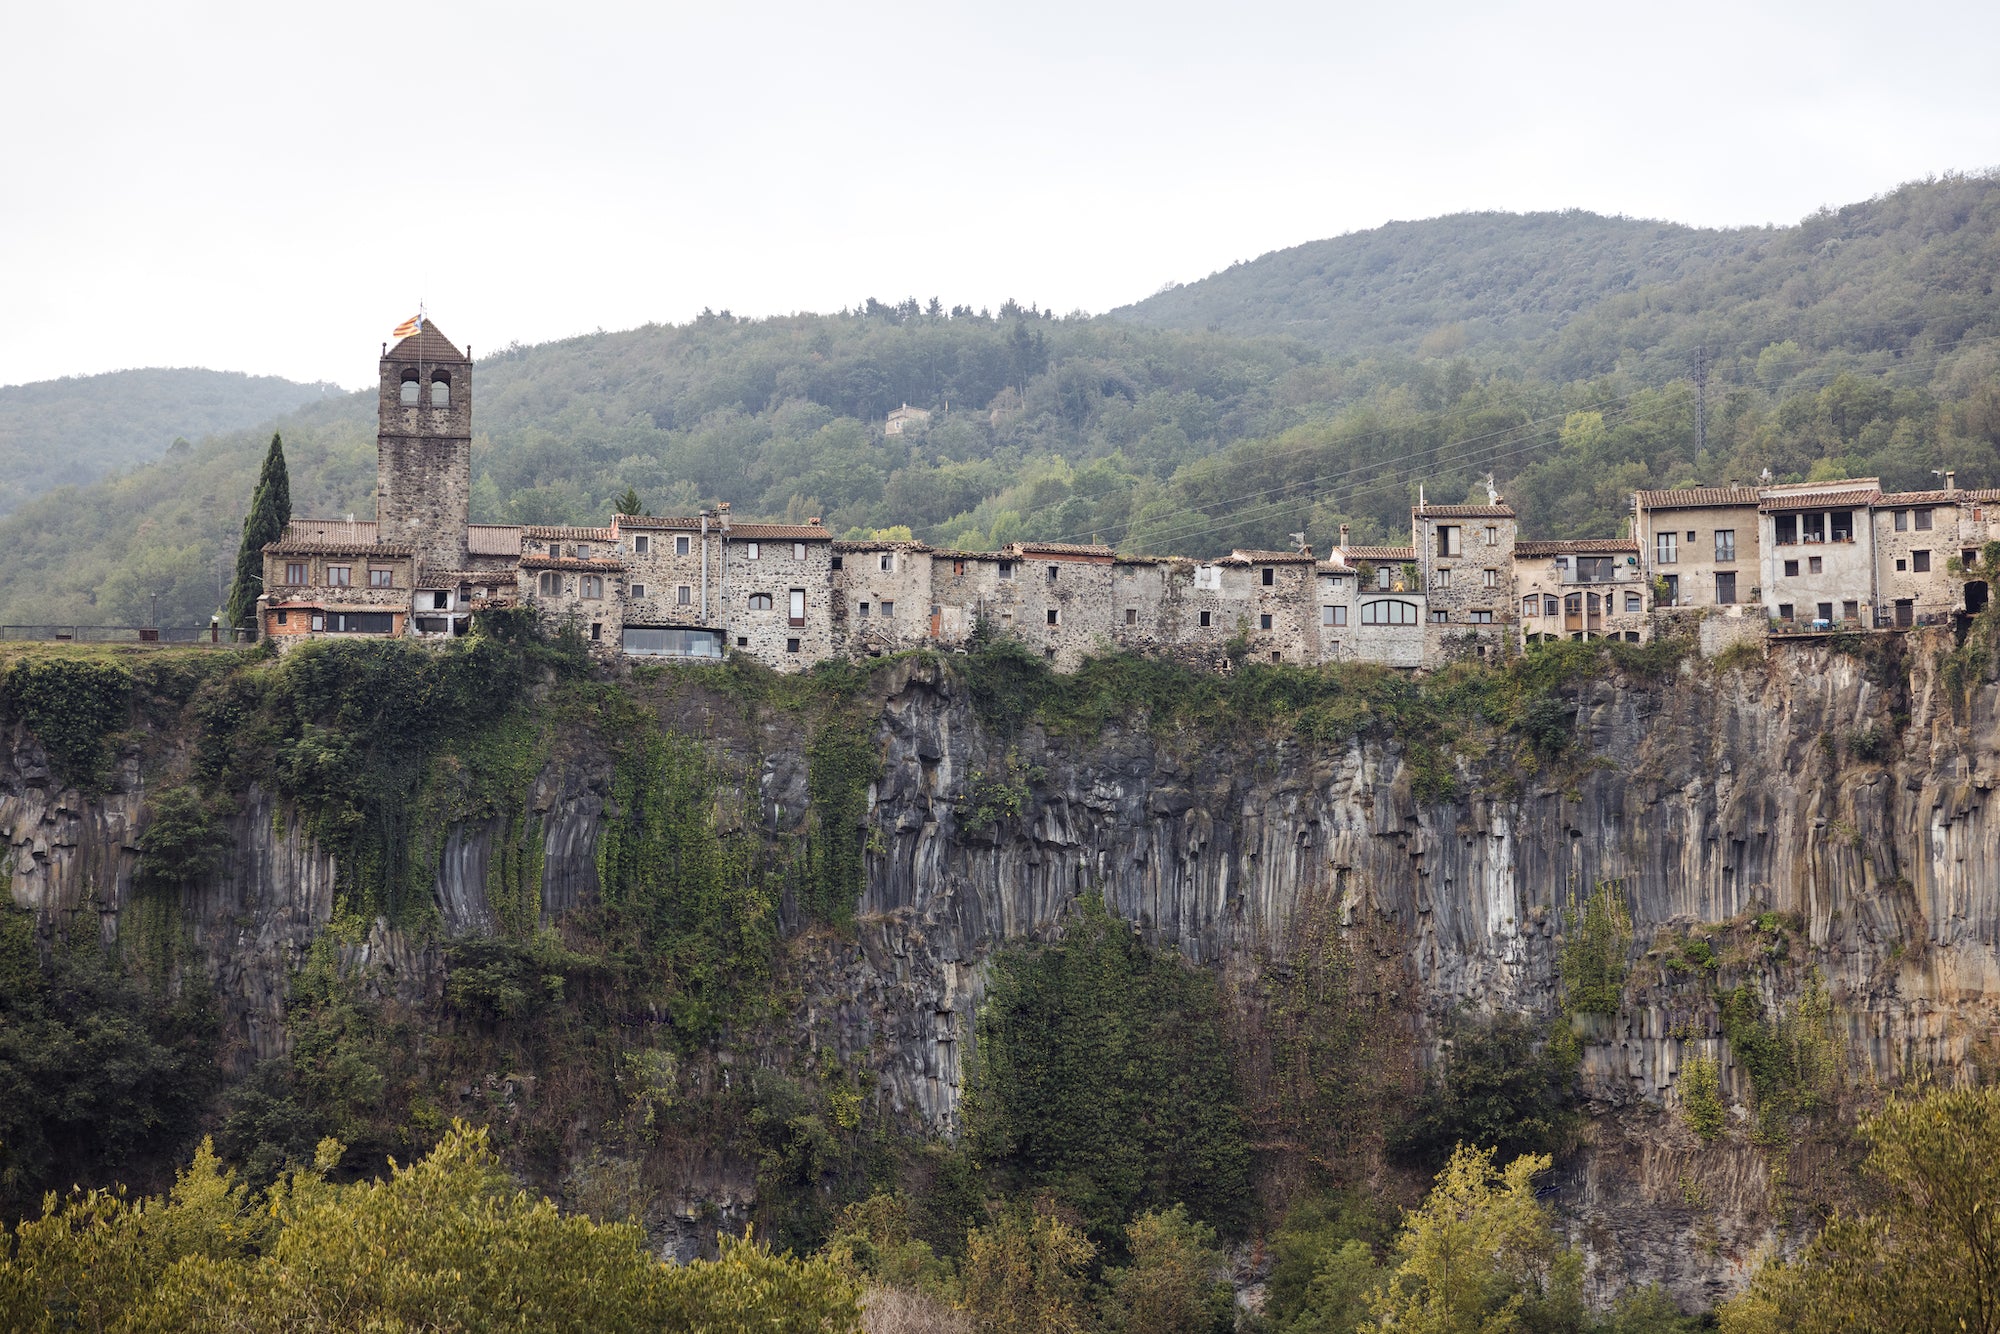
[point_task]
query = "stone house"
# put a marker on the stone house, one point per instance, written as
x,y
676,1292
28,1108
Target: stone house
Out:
x,y
1372,605
1465,558
336,578
1580,589
775,593
905,418
1919,537
1701,546
1818,553
585,592
883,602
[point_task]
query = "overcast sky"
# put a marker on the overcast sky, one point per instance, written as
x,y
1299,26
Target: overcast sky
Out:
x,y
271,187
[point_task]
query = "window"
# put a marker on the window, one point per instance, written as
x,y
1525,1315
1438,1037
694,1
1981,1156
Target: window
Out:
x,y
1784,611
1923,521
1791,569
1481,617
1725,588
642,545
797,609
839,562
596,631
1902,521
295,572
1815,564
1382,577
1447,540
1901,564
550,583
1725,544
1333,616
281,616
1439,616
412,391
1489,578
760,602
381,578
441,601
1787,529
1053,571
681,546
1632,602
1441,578
888,561
888,610
318,621
1850,611
1270,576
1006,569
638,590
1276,656
864,611
798,551
752,550
579,550
1841,526
1595,569
1551,607
1388,611
1264,621
1666,550
1055,616
1673,589
1131,616
1531,605
791,646
440,389
673,642
340,576
1920,561
1826,612
684,595
743,641
1205,619
359,622
1968,558
1492,536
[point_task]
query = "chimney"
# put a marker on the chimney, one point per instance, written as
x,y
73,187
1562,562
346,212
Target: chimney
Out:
x,y
813,522
1343,537
1951,479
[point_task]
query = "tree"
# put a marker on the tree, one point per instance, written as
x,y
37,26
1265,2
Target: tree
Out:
x,y
1481,1257
1024,1273
270,511
628,503
1177,1282
1927,1259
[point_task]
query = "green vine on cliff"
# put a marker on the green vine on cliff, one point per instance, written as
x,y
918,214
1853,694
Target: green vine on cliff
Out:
x,y
841,764
71,706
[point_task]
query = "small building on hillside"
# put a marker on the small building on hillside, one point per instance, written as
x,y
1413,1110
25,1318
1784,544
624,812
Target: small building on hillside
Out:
x,y
905,418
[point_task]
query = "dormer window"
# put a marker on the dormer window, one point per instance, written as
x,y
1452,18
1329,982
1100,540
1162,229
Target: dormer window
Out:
x,y
413,391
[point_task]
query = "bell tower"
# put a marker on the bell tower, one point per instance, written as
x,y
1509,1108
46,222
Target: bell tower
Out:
x,y
423,442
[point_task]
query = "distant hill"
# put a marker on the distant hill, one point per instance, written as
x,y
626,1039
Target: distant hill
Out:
x,y
1304,391
1570,295
60,432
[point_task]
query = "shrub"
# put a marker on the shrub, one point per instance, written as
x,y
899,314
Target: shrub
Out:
x,y
1500,1084
1701,1096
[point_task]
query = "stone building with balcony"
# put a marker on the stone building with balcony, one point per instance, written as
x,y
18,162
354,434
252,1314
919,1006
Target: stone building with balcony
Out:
x,y
1580,589
1817,548
1698,547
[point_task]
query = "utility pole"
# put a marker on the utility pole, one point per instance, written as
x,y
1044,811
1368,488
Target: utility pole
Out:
x,y
1700,399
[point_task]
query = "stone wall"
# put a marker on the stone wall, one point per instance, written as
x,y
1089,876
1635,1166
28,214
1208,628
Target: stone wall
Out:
x,y
780,567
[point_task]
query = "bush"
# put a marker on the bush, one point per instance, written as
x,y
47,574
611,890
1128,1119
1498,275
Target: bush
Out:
x,y
1501,1085
1701,1096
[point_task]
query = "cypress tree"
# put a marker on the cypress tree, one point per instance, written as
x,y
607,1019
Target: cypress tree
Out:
x,y
270,511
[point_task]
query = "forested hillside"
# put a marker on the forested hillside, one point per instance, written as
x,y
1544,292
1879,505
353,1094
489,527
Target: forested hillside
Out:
x,y
59,432
1556,352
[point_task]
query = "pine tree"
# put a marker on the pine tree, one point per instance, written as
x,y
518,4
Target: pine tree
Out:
x,y
270,511
627,503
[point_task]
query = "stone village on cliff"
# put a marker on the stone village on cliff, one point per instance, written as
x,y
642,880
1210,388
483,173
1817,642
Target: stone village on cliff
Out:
x,y
1729,562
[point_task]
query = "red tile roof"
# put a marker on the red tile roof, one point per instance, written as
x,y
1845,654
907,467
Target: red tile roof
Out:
x,y
427,344
1463,511
1060,549
331,530
780,532
590,565
877,544
1962,496
386,550
1575,546
1353,554
493,539
1819,500
545,532
1697,497
666,521
1272,557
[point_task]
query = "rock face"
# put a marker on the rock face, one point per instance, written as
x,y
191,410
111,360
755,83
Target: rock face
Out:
x,y
1714,795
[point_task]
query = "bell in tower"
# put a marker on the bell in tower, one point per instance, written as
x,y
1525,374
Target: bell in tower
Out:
x,y
423,441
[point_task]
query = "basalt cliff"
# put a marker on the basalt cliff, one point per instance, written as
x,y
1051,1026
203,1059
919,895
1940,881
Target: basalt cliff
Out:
x,y
1822,819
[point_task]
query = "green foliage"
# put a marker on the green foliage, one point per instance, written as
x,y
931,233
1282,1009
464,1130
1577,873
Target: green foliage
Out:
x,y
445,1243
1791,1056
69,705
1596,937
1870,744
98,1075
183,837
1701,1096
1925,1256
1103,1077
1323,1262
270,511
1024,1272
1176,1283
1481,1255
873,1242
840,765
1502,1084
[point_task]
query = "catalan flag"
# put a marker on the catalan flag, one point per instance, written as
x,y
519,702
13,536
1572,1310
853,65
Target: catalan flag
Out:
x,y
409,328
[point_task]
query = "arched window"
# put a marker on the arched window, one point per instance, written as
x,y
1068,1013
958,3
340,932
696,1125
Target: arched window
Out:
x,y
1388,611
413,392
760,602
551,584
440,389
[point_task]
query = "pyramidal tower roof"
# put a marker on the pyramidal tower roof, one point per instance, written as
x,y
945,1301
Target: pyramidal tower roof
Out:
x,y
427,344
